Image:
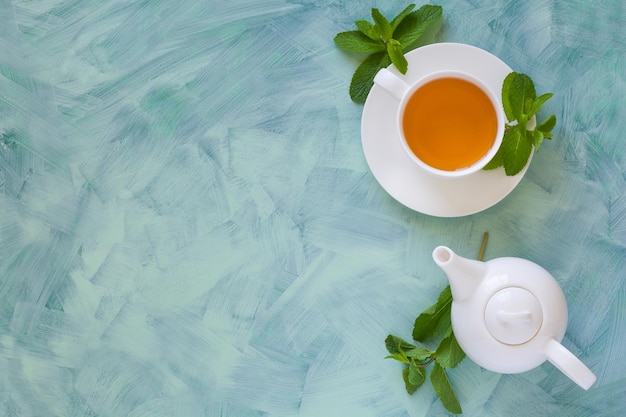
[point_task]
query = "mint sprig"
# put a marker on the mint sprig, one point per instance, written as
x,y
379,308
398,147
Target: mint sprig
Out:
x,y
448,355
432,323
386,42
521,104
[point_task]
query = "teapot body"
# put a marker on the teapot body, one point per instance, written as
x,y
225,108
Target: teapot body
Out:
x,y
514,311
509,315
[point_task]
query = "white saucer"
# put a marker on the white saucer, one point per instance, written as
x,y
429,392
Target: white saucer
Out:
x,y
391,166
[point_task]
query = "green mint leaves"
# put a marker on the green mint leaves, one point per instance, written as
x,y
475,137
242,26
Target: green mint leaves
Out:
x,y
435,319
417,358
433,322
520,103
386,42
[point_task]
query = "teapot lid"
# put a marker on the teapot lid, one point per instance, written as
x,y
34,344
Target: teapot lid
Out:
x,y
513,316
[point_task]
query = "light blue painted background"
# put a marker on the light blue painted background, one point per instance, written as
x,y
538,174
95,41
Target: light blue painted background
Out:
x,y
188,226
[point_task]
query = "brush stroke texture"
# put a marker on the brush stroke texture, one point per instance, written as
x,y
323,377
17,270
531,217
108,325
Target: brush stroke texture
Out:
x,y
188,226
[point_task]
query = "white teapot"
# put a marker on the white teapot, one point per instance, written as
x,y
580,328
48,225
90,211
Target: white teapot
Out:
x,y
509,315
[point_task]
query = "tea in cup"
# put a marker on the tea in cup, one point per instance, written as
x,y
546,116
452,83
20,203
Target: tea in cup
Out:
x,y
450,123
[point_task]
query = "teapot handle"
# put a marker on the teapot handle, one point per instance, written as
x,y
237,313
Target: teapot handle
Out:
x,y
570,365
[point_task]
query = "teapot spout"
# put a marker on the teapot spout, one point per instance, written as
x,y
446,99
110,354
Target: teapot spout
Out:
x,y
465,275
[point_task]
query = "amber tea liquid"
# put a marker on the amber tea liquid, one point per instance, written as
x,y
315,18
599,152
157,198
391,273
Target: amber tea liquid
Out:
x,y
449,123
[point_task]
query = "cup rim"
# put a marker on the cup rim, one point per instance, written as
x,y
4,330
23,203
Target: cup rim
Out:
x,y
500,118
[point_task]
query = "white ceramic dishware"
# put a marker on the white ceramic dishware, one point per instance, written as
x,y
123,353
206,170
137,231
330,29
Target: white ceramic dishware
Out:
x,y
404,93
397,173
509,315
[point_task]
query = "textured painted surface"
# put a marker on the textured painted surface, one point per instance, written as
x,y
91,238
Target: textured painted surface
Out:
x,y
188,226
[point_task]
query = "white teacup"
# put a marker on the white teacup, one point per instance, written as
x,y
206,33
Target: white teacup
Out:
x,y
450,123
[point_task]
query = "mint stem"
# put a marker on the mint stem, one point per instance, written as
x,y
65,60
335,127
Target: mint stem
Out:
x,y
428,362
483,246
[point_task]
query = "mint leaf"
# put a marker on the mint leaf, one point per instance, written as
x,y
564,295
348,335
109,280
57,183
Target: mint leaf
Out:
x,y
357,41
449,354
363,78
520,90
394,49
367,29
417,374
414,24
430,322
515,150
402,351
537,139
382,25
400,17
400,357
547,125
522,122
394,344
410,388
528,106
441,384
419,353
506,96
496,162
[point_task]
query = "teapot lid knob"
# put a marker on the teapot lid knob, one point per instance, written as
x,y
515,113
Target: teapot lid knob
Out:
x,y
513,316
